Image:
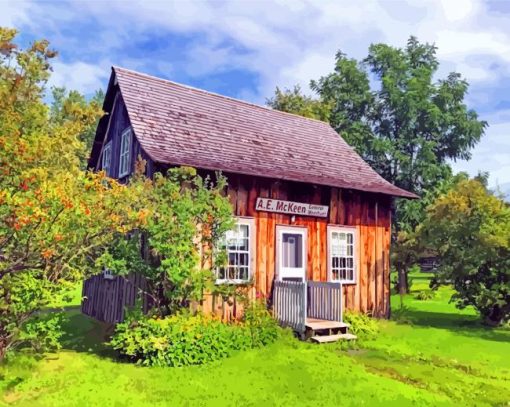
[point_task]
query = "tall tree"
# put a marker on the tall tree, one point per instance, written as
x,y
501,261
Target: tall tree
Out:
x,y
404,123
294,101
67,105
469,227
55,218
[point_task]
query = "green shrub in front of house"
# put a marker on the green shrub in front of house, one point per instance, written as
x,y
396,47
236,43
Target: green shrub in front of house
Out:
x,y
184,339
425,295
361,325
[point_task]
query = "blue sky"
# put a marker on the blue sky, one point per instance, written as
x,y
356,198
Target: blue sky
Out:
x,y
246,48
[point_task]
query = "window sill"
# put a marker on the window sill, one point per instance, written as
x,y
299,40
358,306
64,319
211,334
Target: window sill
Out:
x,y
232,282
343,282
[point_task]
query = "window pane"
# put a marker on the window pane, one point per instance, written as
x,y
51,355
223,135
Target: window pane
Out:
x,y
292,251
243,275
231,258
243,259
243,231
243,244
335,262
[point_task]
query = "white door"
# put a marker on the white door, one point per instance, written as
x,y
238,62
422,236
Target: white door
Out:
x,y
291,253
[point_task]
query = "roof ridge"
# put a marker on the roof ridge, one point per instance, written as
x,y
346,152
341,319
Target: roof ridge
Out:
x,y
114,67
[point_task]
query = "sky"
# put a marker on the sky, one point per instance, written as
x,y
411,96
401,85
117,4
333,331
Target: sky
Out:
x,y
245,49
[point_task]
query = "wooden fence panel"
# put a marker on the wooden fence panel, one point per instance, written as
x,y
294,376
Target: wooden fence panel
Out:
x,y
106,299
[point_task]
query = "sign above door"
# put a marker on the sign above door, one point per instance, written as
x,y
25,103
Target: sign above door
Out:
x,y
291,208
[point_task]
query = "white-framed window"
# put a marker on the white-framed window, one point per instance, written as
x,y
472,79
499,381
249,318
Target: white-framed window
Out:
x,y
125,152
106,159
342,254
239,244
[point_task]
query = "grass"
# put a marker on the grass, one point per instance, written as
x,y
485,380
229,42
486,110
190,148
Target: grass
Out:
x,y
434,355
441,349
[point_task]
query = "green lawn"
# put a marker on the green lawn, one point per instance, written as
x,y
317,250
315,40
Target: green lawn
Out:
x,y
444,358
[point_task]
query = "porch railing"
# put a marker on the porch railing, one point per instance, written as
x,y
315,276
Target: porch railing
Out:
x,y
324,300
289,304
294,302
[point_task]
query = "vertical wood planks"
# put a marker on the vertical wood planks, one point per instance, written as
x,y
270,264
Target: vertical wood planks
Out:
x,y
242,197
369,213
106,299
261,277
333,206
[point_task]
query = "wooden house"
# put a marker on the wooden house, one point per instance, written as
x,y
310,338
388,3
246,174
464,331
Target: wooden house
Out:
x,y
313,218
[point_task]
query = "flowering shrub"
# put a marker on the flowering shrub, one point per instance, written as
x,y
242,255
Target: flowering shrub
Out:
x,y
183,339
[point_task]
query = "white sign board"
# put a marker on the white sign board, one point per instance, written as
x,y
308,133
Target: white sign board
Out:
x,y
291,208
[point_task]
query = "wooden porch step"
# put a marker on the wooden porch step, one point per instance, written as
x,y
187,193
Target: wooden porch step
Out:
x,y
318,324
333,338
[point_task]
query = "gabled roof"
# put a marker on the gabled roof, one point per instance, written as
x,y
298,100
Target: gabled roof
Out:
x,y
180,125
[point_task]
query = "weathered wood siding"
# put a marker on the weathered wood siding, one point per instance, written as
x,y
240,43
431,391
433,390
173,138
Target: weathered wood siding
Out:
x,y
107,299
118,122
369,213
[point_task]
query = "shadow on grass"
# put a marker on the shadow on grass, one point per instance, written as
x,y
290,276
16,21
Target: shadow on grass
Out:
x,y
468,325
420,277
85,334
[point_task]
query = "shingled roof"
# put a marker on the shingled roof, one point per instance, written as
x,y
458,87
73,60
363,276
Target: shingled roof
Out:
x,y
180,125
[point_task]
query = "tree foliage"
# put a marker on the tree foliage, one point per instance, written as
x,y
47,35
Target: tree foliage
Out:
x,y
294,101
54,217
406,124
389,107
470,230
69,106
187,217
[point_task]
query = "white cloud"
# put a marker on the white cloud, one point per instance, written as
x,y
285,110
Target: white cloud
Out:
x,y
457,10
13,13
493,152
80,76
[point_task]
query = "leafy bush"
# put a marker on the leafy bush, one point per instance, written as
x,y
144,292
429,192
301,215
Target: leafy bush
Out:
x,y
361,325
262,328
43,333
425,295
469,227
183,339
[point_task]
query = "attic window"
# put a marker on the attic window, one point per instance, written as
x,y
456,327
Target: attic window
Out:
x,y
106,158
125,153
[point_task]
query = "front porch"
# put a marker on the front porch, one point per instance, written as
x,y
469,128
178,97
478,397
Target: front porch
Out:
x,y
312,309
